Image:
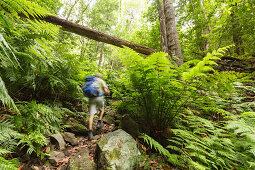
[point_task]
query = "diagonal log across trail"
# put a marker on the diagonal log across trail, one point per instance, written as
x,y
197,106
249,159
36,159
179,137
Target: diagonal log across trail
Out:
x,y
95,35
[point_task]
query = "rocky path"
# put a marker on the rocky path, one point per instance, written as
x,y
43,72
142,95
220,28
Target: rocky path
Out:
x,y
84,146
82,154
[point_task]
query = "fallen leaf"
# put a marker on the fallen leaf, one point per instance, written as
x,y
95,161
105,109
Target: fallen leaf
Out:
x,y
142,164
144,148
35,167
47,149
153,162
21,167
72,150
168,128
3,117
64,160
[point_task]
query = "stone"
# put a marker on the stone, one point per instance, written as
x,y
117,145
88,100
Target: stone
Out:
x,y
60,140
108,119
117,150
70,137
129,125
56,156
81,161
35,168
77,127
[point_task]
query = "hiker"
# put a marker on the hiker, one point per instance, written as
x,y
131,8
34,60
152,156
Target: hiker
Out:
x,y
94,89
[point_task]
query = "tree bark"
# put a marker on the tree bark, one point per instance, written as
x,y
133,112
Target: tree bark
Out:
x,y
101,56
236,32
164,47
173,43
95,35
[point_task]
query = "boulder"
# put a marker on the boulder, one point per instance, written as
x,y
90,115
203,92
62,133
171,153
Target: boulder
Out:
x,y
81,161
108,119
129,125
56,156
76,126
117,150
70,137
60,140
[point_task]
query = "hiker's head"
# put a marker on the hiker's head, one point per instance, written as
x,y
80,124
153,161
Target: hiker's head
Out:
x,y
99,75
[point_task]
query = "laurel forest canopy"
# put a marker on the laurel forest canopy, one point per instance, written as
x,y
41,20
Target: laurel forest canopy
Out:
x,y
182,70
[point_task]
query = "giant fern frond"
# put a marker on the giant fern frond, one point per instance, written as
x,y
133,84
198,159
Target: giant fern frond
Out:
x,y
5,98
9,164
8,136
154,144
22,7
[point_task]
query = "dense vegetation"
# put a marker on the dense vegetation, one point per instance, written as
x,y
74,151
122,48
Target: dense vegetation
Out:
x,y
200,115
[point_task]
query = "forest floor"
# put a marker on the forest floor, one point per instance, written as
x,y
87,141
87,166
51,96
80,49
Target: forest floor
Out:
x,y
148,162
84,144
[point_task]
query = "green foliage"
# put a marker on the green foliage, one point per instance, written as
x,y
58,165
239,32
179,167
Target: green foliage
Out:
x,y
22,7
154,84
9,164
154,144
153,87
207,25
8,137
8,142
159,90
202,144
4,96
34,122
38,117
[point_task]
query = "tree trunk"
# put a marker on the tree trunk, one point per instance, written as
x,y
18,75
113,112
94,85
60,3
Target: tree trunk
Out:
x,y
71,9
207,29
164,47
236,32
95,35
101,56
173,43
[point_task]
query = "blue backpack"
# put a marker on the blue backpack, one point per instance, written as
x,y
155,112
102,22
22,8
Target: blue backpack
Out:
x,y
90,88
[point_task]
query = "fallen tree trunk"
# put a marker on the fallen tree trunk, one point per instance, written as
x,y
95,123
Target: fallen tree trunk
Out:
x,y
95,35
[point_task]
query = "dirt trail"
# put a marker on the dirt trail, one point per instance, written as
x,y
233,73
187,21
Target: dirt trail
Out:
x,y
83,145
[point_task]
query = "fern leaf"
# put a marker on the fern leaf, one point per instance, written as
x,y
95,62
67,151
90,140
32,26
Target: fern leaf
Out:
x,y
154,144
5,98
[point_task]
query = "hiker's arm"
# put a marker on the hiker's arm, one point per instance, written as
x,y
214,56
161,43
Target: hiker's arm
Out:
x,y
106,90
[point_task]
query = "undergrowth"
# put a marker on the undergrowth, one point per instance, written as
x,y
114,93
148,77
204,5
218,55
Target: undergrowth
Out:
x,y
196,104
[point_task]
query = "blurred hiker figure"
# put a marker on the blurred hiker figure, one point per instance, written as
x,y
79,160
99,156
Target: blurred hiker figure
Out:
x,y
94,89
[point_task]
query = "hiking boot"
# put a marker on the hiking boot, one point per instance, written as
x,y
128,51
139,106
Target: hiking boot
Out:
x,y
90,135
99,124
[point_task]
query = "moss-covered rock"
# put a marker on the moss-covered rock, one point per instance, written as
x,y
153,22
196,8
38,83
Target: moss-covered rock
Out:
x,y
129,125
80,161
117,151
76,126
108,119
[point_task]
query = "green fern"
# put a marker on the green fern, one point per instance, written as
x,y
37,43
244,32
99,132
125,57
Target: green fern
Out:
x,y
154,144
23,7
5,98
9,164
8,136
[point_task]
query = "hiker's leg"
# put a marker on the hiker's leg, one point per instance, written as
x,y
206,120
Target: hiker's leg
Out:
x,y
101,107
91,117
92,111
101,114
